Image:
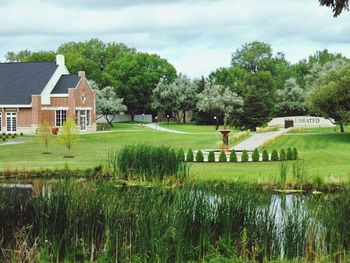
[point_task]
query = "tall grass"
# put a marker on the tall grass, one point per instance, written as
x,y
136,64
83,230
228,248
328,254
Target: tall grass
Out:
x,y
146,162
103,222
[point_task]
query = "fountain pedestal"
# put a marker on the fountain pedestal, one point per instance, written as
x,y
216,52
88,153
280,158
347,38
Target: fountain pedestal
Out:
x,y
225,139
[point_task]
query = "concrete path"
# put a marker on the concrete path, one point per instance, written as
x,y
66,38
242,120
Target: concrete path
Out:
x,y
158,128
11,143
257,139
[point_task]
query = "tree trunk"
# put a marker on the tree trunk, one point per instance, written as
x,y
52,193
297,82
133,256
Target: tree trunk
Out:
x,y
110,122
341,127
184,116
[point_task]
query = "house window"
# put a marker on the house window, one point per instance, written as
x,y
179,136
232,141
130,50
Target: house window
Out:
x,y
77,118
61,116
11,121
88,117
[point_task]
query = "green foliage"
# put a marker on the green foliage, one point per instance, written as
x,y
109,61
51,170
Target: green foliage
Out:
x,y
283,172
199,156
181,155
283,155
189,156
295,154
222,157
337,6
233,156
211,157
245,156
69,134
149,162
274,155
265,156
256,155
290,155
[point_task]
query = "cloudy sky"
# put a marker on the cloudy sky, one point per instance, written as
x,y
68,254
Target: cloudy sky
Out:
x,y
196,36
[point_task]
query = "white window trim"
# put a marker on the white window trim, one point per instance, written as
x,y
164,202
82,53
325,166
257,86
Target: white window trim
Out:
x,y
61,118
11,114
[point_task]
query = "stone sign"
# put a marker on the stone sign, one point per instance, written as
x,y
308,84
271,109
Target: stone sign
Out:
x,y
301,121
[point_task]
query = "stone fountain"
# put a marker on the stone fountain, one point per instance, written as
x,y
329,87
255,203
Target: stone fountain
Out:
x,y
225,134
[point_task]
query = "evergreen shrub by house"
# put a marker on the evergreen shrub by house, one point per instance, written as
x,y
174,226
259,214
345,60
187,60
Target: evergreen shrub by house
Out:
x,y
233,156
256,155
211,157
181,155
274,155
222,157
265,156
245,156
283,155
290,155
199,156
295,154
189,157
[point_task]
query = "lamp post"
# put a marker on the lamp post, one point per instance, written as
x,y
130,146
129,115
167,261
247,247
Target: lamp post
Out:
x,y
216,122
156,118
143,115
168,116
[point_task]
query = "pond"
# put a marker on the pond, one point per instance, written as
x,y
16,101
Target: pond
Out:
x,y
77,220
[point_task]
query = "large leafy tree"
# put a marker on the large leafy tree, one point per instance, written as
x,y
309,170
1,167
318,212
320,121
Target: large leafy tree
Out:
x,y
291,101
337,5
107,103
136,75
259,102
219,101
181,95
330,96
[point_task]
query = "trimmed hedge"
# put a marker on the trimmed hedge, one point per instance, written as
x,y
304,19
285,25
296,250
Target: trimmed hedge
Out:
x,y
233,156
199,156
181,155
256,155
222,157
283,155
245,156
290,155
211,157
189,157
265,156
274,156
295,154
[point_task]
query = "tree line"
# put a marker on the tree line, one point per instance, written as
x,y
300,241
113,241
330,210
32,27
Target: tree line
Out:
x,y
257,86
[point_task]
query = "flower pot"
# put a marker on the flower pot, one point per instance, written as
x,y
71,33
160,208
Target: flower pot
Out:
x,y
54,130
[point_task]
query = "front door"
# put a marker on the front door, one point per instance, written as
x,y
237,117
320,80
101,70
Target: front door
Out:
x,y
83,120
11,122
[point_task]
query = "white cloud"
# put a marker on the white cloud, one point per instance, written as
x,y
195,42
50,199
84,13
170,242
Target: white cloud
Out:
x,y
196,36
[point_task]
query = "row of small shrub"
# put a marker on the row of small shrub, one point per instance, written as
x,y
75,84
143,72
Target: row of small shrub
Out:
x,y
6,136
266,129
283,155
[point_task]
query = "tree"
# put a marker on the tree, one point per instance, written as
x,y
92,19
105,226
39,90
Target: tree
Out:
x,y
136,75
218,100
44,133
330,96
337,5
291,100
259,102
181,95
107,103
69,135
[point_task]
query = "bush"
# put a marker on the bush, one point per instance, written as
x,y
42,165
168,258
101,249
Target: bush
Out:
x,y
274,155
211,157
181,155
222,157
189,157
239,136
265,156
290,155
283,155
199,156
245,156
256,155
233,156
295,154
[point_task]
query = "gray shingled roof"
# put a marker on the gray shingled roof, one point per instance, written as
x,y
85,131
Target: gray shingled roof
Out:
x,y
19,81
64,83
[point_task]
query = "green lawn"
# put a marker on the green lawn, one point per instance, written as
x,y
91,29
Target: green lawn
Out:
x,y
325,153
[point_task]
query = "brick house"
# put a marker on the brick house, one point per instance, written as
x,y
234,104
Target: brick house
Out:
x,y
32,93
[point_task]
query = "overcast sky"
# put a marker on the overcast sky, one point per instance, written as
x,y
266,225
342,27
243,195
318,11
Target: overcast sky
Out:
x,y
196,36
